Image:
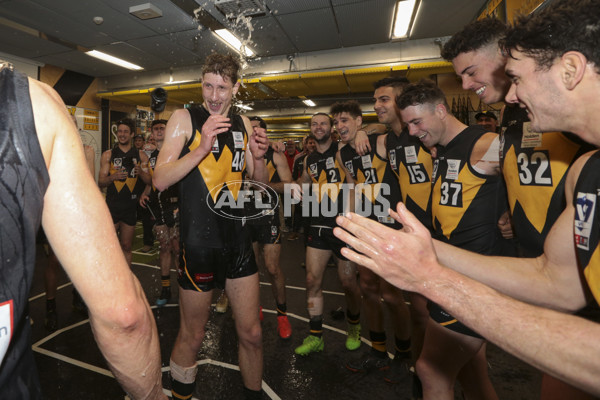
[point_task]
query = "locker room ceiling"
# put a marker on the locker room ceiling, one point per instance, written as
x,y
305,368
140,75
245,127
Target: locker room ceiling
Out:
x,y
322,49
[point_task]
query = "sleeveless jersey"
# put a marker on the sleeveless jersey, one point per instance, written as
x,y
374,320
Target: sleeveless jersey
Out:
x,y
327,197
411,162
269,214
210,213
376,185
587,223
161,202
535,167
123,191
466,204
24,179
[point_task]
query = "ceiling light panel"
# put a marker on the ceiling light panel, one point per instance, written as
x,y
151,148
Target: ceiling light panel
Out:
x,y
145,11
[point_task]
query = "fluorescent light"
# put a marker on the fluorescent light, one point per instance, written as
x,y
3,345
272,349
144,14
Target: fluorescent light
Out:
x,y
234,42
309,103
244,107
404,13
112,60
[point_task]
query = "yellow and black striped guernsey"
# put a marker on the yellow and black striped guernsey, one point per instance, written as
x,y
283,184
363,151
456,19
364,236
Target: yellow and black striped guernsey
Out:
x,y
535,167
208,194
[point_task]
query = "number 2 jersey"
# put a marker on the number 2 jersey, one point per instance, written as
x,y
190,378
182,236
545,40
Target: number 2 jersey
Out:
x,y
465,203
327,197
210,213
376,186
535,167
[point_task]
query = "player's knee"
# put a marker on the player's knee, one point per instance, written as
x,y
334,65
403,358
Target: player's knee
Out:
x,y
193,337
251,336
368,286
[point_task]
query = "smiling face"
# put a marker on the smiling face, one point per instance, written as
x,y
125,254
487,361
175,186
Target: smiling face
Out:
x,y
424,123
347,126
320,127
218,93
124,134
482,71
385,105
538,91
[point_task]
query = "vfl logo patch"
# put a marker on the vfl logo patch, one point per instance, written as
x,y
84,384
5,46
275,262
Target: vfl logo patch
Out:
x,y
312,170
393,159
349,167
6,326
585,208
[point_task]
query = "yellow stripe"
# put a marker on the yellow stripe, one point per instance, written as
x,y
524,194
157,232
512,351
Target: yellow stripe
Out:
x,y
188,274
448,322
178,396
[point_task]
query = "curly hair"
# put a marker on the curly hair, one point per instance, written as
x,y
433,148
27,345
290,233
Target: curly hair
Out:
x,y
351,107
474,36
572,25
224,65
422,92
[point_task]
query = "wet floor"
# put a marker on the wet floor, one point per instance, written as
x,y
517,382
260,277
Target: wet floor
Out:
x,y
71,367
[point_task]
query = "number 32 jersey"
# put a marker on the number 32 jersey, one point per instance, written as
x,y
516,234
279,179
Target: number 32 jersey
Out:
x,y
535,167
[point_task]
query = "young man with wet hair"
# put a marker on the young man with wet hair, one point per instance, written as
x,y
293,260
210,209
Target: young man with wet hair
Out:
x,y
376,189
534,165
553,63
208,149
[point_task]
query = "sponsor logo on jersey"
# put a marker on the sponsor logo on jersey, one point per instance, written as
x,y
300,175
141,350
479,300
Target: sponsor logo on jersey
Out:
x,y
585,207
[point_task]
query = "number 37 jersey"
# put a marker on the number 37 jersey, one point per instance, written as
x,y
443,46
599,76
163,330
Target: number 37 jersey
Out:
x,y
535,167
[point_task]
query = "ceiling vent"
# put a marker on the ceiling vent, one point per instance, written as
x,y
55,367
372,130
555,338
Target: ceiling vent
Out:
x,y
145,11
234,8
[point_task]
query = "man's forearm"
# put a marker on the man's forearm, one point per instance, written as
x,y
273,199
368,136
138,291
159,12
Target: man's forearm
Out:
x,y
130,346
526,279
559,344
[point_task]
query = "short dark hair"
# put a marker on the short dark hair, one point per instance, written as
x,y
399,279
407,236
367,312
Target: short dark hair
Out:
x,y
158,122
391,81
310,136
261,122
128,122
351,107
224,65
323,114
422,92
474,36
572,25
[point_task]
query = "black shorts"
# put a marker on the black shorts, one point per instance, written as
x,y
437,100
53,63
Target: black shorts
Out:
x,y
448,321
205,268
322,237
265,234
165,212
123,212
